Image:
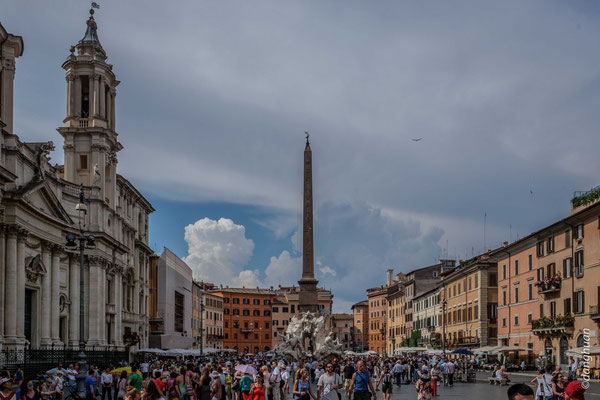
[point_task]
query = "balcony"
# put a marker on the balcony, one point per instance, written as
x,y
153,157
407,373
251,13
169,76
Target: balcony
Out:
x,y
560,324
247,330
84,122
549,286
595,313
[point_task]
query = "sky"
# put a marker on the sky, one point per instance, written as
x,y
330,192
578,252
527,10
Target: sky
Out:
x,y
215,98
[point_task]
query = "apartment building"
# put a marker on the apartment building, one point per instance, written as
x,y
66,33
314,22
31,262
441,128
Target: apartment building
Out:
x,y
470,294
395,311
360,313
427,317
377,302
342,326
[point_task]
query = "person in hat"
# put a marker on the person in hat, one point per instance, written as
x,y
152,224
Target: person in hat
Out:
x,y
423,385
216,388
575,390
6,392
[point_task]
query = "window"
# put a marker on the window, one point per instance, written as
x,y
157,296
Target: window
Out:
x,y
530,291
83,161
517,320
578,302
226,335
256,313
275,309
530,262
503,271
246,312
469,283
579,263
529,318
267,324
475,280
226,300
550,244
246,301
567,238
285,309
236,311
267,302
516,294
256,302
503,297
493,279
567,306
540,249
435,274
578,232
540,274
226,311
236,300
552,309
179,311
568,267
541,310
275,322
492,311
504,322
267,313
551,268
516,267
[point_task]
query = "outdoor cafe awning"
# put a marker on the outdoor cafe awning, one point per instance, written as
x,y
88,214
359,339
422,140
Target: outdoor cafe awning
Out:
x,y
581,351
507,349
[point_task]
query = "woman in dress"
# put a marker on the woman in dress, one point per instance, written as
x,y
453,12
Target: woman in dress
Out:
x,y
423,386
258,390
203,388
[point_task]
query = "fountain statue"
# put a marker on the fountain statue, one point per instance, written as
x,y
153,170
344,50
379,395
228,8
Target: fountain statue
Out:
x,y
308,327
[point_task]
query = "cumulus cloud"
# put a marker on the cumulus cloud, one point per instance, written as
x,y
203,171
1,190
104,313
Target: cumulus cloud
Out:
x,y
283,270
218,251
248,278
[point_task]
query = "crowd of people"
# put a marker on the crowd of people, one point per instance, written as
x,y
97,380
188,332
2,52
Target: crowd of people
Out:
x,y
258,378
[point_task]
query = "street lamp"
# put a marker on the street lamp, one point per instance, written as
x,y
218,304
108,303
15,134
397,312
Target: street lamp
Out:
x,y
85,242
444,302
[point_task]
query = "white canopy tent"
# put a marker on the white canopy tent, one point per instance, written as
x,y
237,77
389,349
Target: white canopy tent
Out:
x,y
581,351
508,349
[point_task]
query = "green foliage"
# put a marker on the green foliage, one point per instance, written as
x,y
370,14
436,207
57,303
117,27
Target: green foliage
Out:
x,y
586,198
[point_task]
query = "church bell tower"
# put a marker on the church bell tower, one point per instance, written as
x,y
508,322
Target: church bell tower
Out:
x,y
90,137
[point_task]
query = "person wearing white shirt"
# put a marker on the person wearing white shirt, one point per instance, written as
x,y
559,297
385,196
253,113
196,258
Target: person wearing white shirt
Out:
x,y
145,368
106,380
276,381
285,378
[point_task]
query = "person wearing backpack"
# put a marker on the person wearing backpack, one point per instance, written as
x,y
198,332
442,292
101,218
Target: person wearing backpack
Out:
x,y
387,379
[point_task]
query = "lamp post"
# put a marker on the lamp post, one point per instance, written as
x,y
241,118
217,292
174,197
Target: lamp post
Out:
x,y
85,242
444,321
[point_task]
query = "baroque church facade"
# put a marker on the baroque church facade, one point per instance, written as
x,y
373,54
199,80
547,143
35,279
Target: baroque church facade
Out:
x,y
39,275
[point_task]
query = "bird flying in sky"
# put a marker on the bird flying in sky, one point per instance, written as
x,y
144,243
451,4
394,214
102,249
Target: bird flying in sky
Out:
x,y
417,139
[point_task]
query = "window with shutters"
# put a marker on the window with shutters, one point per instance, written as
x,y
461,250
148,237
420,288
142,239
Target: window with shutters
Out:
x,y
578,232
470,314
530,262
550,245
517,320
504,322
530,291
503,297
578,302
476,312
516,294
579,263
567,306
567,239
567,267
540,274
529,318
541,310
552,309
516,267
503,271
540,249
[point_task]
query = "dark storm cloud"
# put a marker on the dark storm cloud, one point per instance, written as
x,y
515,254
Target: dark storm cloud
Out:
x,y
215,97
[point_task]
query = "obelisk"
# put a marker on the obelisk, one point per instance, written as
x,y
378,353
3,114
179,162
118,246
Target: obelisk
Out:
x,y
309,298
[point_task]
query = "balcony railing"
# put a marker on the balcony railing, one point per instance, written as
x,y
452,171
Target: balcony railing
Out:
x,y
548,286
594,312
556,325
83,122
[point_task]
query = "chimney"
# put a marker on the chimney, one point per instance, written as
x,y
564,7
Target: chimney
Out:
x,y
390,277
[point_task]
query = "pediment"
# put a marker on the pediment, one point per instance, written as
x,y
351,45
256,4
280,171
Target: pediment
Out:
x,y
42,198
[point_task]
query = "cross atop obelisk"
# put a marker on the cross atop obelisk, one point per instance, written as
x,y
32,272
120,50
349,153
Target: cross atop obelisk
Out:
x,y
309,299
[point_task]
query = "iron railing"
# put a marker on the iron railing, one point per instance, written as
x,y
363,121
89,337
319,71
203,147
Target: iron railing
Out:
x,y
41,359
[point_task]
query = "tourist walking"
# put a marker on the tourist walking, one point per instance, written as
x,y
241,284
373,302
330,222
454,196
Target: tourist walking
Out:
x,y
328,384
361,383
302,390
386,380
543,384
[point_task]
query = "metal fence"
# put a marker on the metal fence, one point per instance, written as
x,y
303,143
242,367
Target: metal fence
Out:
x,y
33,361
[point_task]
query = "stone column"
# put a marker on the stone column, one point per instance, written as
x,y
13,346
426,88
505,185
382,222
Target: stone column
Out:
x,y
10,294
93,302
2,275
77,97
102,303
46,296
109,111
91,95
70,94
102,97
74,298
136,279
118,335
21,237
55,321
96,94
112,107
7,95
